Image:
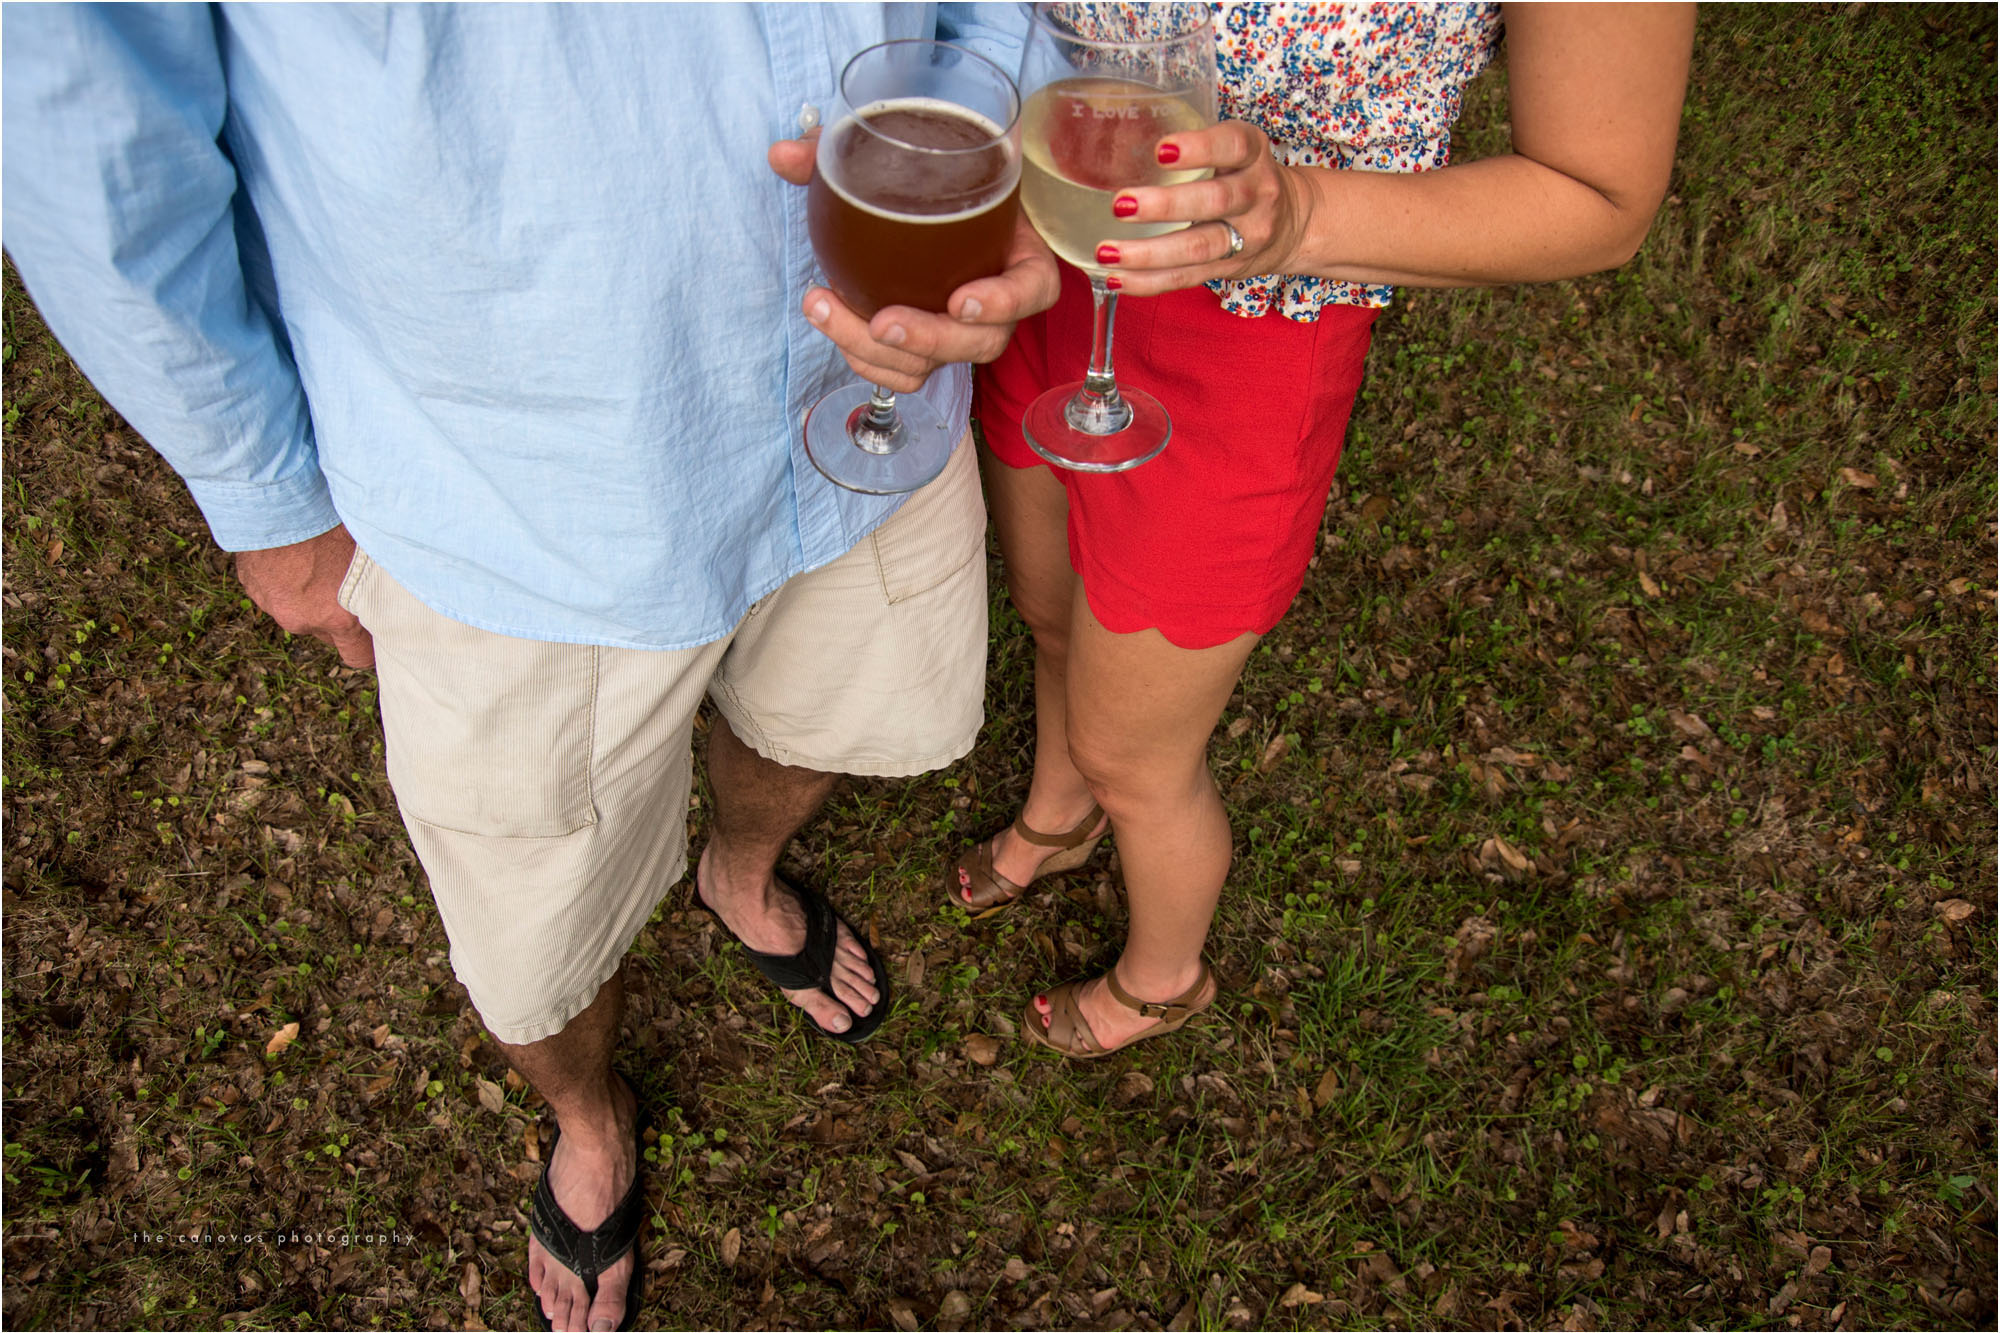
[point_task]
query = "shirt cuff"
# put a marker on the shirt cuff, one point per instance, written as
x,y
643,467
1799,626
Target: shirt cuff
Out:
x,y
257,515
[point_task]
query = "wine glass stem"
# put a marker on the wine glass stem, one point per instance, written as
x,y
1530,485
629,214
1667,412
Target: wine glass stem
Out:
x,y
1097,408
876,431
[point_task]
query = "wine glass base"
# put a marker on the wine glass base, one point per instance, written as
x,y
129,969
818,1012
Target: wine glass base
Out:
x,y
1051,433
919,449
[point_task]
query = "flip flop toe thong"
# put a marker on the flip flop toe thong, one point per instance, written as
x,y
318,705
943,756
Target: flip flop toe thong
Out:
x,y
588,1253
811,968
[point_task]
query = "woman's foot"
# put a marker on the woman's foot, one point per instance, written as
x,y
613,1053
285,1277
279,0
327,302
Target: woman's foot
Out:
x,y
1100,1015
993,874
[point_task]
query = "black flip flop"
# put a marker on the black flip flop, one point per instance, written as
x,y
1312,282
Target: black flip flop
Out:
x,y
588,1253
811,968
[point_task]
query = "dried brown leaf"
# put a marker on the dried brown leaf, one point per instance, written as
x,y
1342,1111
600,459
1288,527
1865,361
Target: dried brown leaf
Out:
x,y
981,1049
1297,1294
468,1284
1329,1084
282,1038
492,1097
1955,910
732,1246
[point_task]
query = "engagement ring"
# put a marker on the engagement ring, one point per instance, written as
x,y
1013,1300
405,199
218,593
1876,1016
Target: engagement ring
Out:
x,y
1235,238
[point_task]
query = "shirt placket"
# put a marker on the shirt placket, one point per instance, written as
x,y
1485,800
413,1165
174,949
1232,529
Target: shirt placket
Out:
x,y
798,39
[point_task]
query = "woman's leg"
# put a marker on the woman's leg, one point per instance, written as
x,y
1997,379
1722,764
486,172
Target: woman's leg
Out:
x,y
1031,513
1140,713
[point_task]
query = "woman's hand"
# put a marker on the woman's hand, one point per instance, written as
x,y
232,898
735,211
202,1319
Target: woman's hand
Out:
x,y
1267,203
900,347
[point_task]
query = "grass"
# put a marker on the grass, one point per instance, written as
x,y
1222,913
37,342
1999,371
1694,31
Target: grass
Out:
x,y
1610,941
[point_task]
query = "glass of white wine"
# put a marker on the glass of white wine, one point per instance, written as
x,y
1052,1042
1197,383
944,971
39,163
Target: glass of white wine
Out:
x,y
1103,84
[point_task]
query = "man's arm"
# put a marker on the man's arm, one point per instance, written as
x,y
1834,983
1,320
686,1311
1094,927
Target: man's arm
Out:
x,y
120,219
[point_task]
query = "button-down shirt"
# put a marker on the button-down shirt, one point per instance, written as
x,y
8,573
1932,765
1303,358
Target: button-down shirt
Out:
x,y
507,289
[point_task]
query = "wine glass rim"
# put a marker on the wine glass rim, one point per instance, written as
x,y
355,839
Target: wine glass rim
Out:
x,y
1038,14
1006,81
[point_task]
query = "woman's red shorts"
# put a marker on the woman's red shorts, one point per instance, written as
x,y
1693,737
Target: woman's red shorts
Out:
x,y
1210,539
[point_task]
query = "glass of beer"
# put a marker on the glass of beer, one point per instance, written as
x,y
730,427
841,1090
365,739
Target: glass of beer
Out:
x,y
915,192
1104,84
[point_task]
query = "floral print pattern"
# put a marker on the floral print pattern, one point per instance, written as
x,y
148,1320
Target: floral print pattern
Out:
x,y
1371,87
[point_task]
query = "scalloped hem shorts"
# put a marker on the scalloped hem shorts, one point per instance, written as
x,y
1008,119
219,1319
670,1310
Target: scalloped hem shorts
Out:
x,y
545,785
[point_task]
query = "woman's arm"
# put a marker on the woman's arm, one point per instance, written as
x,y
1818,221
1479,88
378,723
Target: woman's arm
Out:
x,y
1596,92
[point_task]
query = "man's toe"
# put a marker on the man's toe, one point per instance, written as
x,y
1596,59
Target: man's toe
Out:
x,y
608,1310
828,1012
855,987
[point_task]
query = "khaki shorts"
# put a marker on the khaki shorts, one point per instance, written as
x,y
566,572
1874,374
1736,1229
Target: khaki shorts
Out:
x,y
545,785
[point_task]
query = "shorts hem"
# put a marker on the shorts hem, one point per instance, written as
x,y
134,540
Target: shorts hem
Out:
x,y
870,768
1131,615
564,1011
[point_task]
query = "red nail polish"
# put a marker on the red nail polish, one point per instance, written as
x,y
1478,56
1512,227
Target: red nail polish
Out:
x,y
1169,153
1124,206
1111,281
1107,254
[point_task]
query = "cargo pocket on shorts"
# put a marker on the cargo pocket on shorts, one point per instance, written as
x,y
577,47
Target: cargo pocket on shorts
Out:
x,y
934,535
486,734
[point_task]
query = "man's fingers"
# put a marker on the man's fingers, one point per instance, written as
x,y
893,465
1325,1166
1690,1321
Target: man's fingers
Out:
x,y
938,338
885,364
793,158
355,645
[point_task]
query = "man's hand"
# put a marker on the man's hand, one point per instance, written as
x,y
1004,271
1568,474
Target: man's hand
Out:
x,y
900,347
298,586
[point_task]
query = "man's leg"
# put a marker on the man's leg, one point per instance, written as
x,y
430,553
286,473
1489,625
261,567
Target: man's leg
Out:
x,y
872,665
759,806
593,1164
544,788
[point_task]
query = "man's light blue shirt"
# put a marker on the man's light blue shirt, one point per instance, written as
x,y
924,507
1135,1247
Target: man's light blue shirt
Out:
x,y
506,289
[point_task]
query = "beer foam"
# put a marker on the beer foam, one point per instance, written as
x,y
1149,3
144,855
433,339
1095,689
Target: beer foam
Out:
x,y
941,107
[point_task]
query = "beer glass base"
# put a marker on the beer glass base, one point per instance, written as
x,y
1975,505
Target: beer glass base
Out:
x,y
1050,432
917,452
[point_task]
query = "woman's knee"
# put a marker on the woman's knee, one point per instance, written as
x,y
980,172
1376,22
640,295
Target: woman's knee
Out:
x,y
1127,776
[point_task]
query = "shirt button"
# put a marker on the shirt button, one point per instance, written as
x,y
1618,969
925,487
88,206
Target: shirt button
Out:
x,y
808,117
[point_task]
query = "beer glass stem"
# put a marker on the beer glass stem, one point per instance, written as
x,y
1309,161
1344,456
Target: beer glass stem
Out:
x,y
1097,408
877,430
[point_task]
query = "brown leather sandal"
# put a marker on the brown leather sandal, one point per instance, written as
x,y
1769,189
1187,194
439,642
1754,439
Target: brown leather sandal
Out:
x,y
1069,1032
993,892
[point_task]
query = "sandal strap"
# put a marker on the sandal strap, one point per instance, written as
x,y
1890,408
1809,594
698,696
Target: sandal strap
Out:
x,y
588,1253
811,968
1068,1029
982,869
1075,837
1176,1010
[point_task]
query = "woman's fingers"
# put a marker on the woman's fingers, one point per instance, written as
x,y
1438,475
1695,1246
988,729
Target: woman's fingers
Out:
x,y
1224,147
1199,244
1217,197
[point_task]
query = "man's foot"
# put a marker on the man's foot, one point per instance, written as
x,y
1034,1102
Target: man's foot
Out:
x,y
767,918
589,1172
